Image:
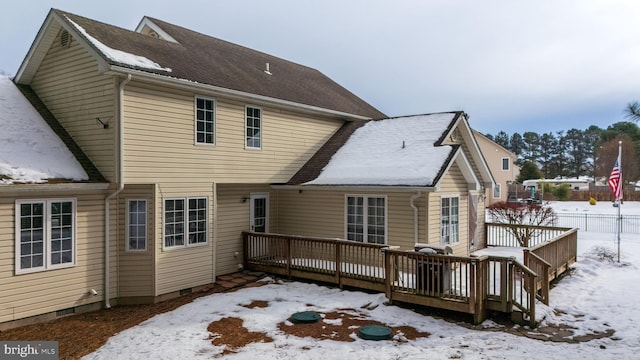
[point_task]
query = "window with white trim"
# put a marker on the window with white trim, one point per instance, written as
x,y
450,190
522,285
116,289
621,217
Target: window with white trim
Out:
x,y
45,234
449,220
136,225
497,190
366,219
253,122
506,164
185,219
205,121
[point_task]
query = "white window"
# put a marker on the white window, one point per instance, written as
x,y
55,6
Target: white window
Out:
x,y
506,163
185,218
253,130
205,121
497,191
366,219
45,234
136,225
449,217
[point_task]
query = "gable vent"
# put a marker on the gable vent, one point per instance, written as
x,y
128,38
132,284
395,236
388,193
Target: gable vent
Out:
x,y
154,34
65,39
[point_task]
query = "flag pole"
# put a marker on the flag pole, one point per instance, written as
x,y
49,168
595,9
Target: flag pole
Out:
x,y
620,198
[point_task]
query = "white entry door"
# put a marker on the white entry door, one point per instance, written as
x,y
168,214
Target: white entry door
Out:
x,y
259,212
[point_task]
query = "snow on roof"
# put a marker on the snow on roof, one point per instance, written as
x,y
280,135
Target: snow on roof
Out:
x,y
118,55
398,151
30,151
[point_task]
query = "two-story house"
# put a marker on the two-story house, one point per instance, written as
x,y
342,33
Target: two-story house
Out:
x,y
193,140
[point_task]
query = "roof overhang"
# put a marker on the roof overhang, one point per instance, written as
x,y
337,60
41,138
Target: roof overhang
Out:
x,y
43,41
462,128
381,188
460,159
51,188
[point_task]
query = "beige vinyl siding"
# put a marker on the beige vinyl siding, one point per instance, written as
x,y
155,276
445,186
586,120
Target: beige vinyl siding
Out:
x,y
69,84
187,267
136,269
47,291
160,140
233,219
320,213
452,184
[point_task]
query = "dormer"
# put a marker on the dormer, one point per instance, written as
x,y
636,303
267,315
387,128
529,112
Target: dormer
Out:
x,y
148,27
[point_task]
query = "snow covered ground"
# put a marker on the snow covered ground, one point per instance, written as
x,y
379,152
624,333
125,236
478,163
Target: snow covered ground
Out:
x,y
600,295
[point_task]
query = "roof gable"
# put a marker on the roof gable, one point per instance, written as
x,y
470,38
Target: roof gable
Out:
x,y
403,151
197,59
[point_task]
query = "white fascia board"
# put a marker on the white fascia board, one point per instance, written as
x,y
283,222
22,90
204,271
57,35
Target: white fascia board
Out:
x,y
44,38
465,167
476,154
48,188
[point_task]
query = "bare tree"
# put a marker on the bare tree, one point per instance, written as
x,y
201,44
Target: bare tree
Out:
x,y
524,220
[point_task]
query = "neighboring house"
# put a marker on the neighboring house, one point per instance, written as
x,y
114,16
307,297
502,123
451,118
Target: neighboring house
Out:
x,y
187,141
501,162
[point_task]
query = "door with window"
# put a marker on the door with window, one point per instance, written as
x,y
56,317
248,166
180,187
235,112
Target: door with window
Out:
x,y
259,212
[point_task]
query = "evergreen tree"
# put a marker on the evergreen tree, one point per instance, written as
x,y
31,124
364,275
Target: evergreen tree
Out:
x,y
517,144
502,139
531,150
529,170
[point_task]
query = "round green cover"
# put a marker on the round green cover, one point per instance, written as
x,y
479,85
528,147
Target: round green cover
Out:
x,y
305,317
374,332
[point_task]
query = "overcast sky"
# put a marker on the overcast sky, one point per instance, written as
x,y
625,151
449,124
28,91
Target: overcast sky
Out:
x,y
511,65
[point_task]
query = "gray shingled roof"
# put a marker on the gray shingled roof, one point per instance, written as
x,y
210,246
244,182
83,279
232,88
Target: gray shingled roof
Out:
x,y
208,60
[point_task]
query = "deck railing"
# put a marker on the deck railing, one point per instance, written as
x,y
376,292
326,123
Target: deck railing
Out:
x,y
502,234
551,252
470,285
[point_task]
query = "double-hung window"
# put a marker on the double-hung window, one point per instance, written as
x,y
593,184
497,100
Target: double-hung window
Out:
x,y
506,162
205,121
253,121
366,219
45,234
136,225
185,222
449,220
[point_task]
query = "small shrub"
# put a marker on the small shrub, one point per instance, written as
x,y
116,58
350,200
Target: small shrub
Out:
x,y
562,192
592,201
603,254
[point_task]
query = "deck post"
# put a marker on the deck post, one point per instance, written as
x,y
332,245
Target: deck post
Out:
x,y
478,274
288,255
245,252
532,300
388,279
338,264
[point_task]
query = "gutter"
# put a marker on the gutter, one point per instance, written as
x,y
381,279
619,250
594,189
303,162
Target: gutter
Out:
x,y
120,161
412,200
381,188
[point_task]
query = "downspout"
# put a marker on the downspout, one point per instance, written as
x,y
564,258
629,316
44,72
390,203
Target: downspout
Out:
x,y
415,197
120,160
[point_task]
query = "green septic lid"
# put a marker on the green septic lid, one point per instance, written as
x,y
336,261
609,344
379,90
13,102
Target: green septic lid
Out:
x,y
305,317
374,332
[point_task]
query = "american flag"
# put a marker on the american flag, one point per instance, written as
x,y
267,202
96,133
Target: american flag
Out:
x,y
615,180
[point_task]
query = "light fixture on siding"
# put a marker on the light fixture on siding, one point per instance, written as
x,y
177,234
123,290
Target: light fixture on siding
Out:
x,y
244,199
104,123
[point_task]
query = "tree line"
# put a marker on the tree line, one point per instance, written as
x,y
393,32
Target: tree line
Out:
x,y
573,153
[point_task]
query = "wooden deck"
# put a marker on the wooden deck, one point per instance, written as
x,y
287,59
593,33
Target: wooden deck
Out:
x,y
472,285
